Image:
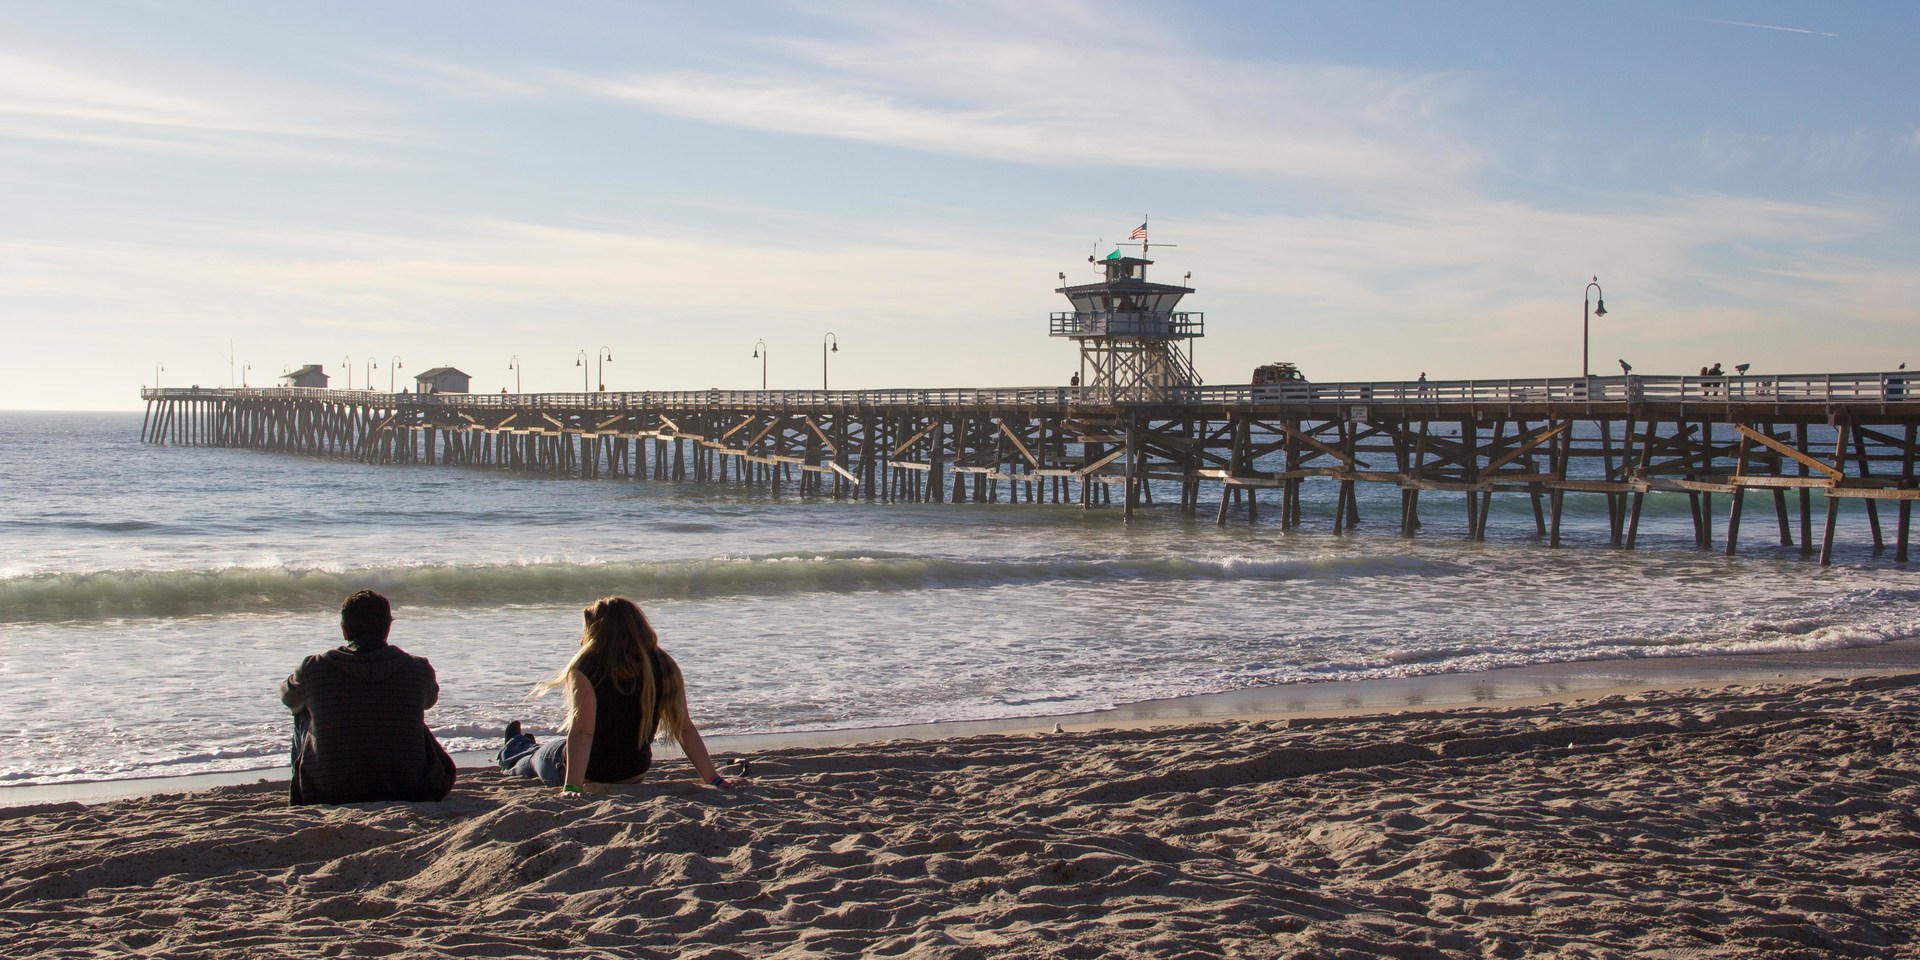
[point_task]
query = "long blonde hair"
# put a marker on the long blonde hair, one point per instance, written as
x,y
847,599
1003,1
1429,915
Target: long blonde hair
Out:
x,y
618,632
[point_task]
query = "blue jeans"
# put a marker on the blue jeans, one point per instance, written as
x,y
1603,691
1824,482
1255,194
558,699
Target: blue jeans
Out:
x,y
523,757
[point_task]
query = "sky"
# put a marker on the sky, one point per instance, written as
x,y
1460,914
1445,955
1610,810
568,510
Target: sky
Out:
x,y
202,192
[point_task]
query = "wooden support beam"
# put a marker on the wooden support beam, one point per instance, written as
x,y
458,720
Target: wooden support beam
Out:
x,y
1082,472
1589,486
1873,494
1810,462
1019,444
1826,542
1779,483
929,428
1541,436
1873,506
1906,482
1733,520
1307,440
825,441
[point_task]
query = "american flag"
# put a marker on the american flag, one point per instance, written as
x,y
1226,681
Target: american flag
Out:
x,y
1139,233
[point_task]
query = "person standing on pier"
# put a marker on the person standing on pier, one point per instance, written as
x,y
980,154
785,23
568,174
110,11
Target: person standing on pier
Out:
x,y
359,717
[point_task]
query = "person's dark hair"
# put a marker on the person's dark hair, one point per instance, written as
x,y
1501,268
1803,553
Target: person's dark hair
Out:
x,y
366,615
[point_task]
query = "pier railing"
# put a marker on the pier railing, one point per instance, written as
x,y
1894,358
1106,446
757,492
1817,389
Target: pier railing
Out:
x,y
1838,389
1833,388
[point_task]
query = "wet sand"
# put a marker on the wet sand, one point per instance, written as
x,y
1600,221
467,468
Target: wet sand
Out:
x,y
1545,683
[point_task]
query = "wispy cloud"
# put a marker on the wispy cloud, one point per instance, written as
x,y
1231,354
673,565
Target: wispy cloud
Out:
x,y
994,83
1828,153
1767,26
129,110
1243,128
440,77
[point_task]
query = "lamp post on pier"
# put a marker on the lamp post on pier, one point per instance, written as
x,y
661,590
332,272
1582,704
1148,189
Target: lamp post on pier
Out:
x,y
605,357
244,367
372,365
346,363
158,369
514,365
1590,309
581,362
391,367
760,354
823,356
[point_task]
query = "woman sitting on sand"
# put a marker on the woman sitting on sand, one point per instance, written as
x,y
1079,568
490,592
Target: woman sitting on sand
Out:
x,y
622,691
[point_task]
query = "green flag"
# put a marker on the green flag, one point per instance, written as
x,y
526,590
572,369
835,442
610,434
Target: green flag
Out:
x,y
1115,255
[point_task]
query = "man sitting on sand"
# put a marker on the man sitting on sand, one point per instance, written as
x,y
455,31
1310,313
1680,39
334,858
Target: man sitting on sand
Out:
x,y
359,717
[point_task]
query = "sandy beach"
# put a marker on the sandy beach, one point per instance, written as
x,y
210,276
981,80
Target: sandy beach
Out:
x,y
1763,820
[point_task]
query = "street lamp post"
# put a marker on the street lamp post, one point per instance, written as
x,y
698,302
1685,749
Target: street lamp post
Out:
x,y
1596,307
605,357
391,367
372,365
514,365
581,362
244,367
346,363
823,356
158,369
759,353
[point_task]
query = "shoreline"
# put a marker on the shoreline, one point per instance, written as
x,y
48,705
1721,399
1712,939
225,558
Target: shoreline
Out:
x,y
1563,682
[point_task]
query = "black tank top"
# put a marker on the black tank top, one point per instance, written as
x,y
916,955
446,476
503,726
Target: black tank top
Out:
x,y
622,750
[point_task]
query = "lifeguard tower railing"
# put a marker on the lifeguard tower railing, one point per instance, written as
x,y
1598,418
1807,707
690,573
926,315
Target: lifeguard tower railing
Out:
x,y
1126,323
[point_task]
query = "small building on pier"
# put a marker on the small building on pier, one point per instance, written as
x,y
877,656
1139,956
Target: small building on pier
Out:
x,y
308,376
1135,344
443,380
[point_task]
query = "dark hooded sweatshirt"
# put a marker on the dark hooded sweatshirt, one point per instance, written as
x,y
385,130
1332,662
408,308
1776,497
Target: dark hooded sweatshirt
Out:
x,y
366,735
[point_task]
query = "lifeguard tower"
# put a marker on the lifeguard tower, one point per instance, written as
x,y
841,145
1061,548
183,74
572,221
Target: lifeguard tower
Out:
x,y
1135,346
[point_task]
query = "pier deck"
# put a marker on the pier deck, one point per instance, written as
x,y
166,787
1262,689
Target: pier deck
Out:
x,y
1847,436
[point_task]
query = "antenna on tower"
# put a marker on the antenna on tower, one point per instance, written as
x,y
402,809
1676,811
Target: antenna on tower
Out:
x,y
228,357
1140,234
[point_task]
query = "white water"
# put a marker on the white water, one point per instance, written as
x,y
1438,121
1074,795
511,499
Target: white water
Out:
x,y
151,599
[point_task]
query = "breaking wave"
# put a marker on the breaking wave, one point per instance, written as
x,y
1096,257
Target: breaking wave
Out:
x,y
134,594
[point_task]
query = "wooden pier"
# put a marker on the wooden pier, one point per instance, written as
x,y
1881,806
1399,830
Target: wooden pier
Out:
x,y
1850,437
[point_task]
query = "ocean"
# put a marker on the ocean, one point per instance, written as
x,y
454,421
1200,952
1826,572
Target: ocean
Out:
x,y
153,598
